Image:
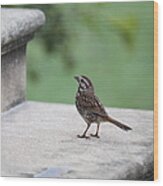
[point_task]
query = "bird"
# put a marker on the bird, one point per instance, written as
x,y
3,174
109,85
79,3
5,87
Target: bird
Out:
x,y
91,109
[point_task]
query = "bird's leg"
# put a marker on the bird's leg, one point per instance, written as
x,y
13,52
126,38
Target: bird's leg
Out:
x,y
84,133
97,131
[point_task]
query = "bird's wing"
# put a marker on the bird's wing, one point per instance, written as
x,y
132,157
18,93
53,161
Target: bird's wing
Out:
x,y
92,104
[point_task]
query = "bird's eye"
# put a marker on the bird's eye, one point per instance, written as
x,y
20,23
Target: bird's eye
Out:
x,y
82,81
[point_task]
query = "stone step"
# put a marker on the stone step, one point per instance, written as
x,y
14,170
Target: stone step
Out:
x,y
39,140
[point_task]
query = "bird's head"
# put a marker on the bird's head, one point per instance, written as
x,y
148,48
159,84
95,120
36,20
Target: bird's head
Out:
x,y
84,83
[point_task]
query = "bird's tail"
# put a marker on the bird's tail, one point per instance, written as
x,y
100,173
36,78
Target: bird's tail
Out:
x,y
118,124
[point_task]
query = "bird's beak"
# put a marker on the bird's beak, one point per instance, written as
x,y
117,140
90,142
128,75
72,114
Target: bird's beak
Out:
x,y
77,78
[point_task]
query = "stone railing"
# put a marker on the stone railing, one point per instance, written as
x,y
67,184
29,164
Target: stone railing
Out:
x,y
18,27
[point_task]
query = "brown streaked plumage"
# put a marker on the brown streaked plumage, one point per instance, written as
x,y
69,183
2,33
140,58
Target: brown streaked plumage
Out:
x,y
90,107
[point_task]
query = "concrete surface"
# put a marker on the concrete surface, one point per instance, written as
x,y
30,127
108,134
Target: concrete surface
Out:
x,y
18,23
13,76
39,140
17,28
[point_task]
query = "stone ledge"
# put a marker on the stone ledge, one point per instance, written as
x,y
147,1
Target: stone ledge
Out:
x,y
18,24
39,140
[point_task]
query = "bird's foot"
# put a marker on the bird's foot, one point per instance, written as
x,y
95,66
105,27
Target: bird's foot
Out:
x,y
95,135
83,136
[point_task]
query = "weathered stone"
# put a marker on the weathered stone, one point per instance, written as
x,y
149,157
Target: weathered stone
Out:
x,y
13,77
39,140
17,28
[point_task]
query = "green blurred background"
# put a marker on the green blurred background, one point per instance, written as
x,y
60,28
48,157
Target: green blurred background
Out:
x,y
112,43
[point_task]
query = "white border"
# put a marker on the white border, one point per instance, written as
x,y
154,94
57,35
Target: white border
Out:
x,y
63,1
69,182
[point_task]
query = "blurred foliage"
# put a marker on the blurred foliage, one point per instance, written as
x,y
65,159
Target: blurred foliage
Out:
x,y
126,28
56,35
110,42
